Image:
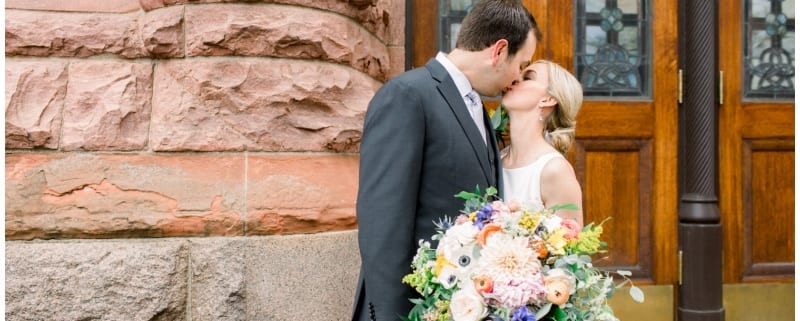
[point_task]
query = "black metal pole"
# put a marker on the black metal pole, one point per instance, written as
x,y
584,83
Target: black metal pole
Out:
x,y
699,229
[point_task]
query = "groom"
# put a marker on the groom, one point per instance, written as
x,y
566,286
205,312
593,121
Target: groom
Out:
x,y
426,137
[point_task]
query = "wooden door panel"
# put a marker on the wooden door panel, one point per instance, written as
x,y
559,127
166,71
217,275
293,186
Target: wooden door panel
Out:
x,y
764,120
615,119
617,176
769,201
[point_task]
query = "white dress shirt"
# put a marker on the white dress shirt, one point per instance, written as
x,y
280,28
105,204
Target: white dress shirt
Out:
x,y
470,96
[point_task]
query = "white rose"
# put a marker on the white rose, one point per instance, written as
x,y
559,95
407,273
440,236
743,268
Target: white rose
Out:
x,y
552,223
467,305
464,233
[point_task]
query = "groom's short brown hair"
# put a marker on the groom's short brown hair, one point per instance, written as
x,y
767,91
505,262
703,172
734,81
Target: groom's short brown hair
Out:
x,y
492,20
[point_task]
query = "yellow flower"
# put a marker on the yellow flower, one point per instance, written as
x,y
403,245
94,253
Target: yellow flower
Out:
x,y
529,221
588,240
441,263
557,242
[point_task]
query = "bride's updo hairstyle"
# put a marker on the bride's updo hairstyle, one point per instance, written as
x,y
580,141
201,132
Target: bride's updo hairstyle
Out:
x,y
567,91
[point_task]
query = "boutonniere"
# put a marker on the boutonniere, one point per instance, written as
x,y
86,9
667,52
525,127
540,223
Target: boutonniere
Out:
x,y
499,118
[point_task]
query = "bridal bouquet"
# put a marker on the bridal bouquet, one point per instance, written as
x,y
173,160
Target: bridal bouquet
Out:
x,y
497,261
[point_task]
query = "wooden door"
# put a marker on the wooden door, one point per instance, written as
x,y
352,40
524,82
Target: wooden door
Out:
x,y
756,141
626,151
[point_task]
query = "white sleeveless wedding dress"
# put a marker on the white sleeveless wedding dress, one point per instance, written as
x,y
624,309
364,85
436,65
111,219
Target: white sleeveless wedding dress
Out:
x,y
524,183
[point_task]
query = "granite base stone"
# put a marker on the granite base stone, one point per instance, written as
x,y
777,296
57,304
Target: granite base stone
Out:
x,y
309,277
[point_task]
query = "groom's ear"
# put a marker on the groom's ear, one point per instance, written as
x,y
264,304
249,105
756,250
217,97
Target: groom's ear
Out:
x,y
498,49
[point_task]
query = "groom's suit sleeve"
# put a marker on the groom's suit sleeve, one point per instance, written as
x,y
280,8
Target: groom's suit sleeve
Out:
x,y
389,175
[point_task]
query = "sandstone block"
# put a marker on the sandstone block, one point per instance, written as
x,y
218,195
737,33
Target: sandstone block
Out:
x,y
82,195
258,105
107,105
156,34
373,15
110,280
301,193
218,279
318,272
283,31
397,22
397,55
34,97
76,5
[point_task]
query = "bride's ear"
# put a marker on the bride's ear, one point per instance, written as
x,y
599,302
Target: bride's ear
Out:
x,y
548,101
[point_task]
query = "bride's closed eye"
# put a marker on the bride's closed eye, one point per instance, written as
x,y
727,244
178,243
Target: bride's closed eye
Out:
x,y
529,75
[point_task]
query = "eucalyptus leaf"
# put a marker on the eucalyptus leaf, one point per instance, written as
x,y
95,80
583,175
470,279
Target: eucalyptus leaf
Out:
x,y
543,311
497,117
491,191
571,207
624,272
637,294
466,195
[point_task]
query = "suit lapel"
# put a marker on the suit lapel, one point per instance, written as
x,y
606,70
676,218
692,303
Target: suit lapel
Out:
x,y
447,88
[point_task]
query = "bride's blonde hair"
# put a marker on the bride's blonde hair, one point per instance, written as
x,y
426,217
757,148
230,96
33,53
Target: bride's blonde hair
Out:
x,y
560,124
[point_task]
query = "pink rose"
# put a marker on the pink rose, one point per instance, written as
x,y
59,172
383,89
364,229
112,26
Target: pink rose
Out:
x,y
572,227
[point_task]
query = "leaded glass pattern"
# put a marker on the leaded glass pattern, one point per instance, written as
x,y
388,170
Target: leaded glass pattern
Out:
x,y
769,49
613,55
451,13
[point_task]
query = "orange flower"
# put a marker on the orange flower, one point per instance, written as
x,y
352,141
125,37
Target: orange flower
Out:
x,y
486,232
483,284
540,248
557,292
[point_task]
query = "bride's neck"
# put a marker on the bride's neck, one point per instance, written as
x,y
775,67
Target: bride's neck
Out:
x,y
527,141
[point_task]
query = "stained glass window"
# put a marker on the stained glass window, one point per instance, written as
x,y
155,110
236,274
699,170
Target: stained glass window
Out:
x,y
613,54
769,49
451,13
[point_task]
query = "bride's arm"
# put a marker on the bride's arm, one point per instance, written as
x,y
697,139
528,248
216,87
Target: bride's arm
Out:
x,y
559,186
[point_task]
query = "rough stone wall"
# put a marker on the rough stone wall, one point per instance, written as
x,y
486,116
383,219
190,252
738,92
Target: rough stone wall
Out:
x,y
144,122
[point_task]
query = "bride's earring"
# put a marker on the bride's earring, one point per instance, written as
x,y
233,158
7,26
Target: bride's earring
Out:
x,y
540,114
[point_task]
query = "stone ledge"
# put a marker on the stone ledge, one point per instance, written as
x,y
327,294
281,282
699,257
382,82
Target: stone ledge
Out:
x,y
83,195
221,278
80,195
96,280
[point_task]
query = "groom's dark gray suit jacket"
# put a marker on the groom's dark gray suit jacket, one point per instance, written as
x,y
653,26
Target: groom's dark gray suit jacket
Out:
x,y
419,148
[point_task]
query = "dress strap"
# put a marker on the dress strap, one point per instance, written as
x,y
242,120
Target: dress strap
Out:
x,y
544,159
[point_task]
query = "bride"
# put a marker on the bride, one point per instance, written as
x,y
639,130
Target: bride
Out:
x,y
541,109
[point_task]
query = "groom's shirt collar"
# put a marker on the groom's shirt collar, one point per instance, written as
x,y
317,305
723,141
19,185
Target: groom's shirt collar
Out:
x,y
462,83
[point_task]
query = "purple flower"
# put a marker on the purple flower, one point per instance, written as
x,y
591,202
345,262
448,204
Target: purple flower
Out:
x,y
522,314
484,216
